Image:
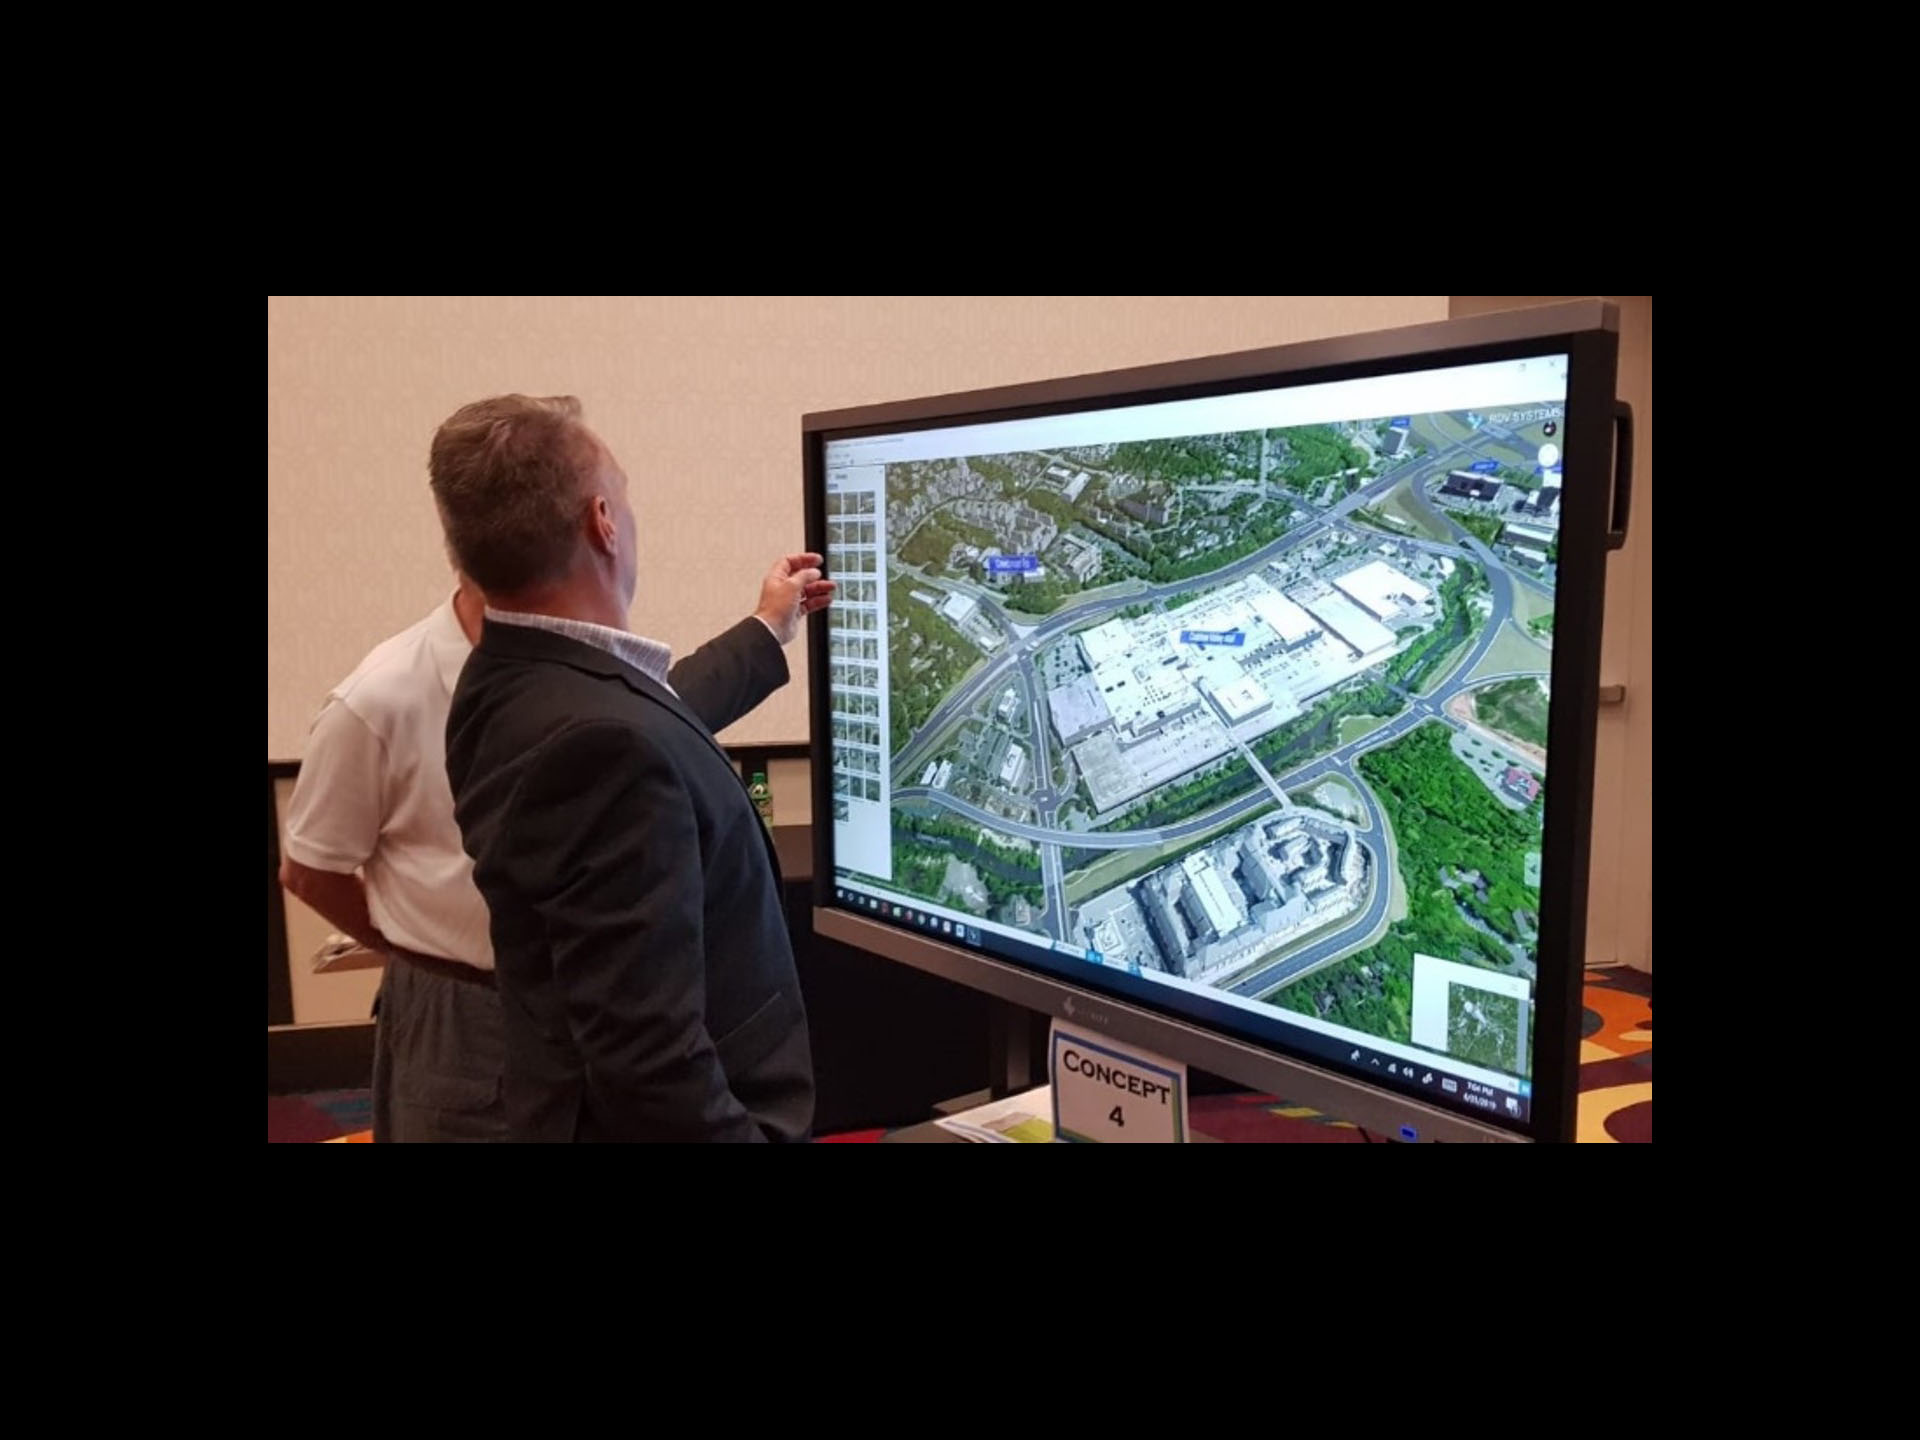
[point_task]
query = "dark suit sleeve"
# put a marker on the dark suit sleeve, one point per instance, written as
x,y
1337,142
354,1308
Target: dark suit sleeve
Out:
x,y
730,674
609,852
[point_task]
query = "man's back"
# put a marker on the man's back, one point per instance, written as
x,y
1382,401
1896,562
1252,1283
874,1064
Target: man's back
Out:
x,y
373,793
372,845
638,935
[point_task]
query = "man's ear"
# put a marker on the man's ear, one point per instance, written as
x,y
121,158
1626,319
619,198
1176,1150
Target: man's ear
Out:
x,y
605,531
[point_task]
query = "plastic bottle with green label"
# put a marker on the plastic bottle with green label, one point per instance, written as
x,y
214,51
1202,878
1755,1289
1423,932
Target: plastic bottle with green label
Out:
x,y
762,794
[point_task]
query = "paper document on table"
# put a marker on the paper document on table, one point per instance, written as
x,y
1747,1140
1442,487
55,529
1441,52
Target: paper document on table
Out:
x,y
1018,1120
342,952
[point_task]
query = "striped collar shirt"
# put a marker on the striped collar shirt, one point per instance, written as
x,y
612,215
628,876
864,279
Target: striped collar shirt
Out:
x,y
649,657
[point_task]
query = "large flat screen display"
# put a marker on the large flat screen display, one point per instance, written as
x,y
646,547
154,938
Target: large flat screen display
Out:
x,y
1235,707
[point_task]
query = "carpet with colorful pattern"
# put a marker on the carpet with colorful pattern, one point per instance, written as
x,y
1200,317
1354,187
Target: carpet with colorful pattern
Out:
x,y
1616,1089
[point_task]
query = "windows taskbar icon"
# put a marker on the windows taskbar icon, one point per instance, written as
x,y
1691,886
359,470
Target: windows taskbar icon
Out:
x,y
1430,1079
935,924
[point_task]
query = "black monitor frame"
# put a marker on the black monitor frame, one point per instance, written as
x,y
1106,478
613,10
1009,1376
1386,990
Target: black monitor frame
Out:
x,y
1593,519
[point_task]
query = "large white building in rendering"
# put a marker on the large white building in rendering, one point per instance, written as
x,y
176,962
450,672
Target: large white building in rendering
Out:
x,y
1161,695
1364,634
1383,591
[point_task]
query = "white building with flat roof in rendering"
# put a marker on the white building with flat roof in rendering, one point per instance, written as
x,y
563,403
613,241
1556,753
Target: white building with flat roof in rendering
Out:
x,y
1143,693
1544,503
1168,693
1287,620
1209,900
1014,767
1382,590
1538,536
1106,642
1078,709
1240,699
1364,634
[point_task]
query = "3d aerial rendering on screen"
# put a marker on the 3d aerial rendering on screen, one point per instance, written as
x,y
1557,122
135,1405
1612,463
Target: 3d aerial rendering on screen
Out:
x,y
1261,710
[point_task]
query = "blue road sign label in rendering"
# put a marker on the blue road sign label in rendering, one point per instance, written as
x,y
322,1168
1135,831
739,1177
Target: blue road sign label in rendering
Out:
x,y
1486,467
1213,637
1013,564
1403,422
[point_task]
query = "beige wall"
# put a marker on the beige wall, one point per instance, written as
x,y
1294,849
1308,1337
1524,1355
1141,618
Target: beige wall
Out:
x,y
790,781
1620,882
701,399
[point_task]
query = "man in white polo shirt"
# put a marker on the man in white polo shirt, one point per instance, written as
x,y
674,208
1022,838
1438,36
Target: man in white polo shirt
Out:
x,y
371,844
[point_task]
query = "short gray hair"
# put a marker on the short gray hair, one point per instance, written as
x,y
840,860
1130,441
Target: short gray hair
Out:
x,y
509,477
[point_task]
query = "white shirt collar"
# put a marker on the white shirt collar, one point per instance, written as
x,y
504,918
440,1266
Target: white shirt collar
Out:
x,y
449,644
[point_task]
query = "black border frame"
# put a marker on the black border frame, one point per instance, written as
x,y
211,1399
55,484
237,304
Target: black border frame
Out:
x,y
1588,333
279,975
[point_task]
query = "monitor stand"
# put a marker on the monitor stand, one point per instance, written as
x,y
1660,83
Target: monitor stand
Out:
x,y
1014,1052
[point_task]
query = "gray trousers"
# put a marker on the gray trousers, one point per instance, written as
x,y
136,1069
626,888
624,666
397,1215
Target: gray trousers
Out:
x,y
438,1050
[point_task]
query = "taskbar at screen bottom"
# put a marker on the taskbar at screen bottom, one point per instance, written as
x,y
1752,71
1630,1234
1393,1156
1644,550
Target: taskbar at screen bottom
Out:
x,y
1502,1099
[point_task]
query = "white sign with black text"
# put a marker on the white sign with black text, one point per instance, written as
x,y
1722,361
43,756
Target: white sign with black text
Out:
x,y
1114,1094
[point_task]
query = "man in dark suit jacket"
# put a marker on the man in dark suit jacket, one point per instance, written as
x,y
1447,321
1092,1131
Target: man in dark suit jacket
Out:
x,y
641,950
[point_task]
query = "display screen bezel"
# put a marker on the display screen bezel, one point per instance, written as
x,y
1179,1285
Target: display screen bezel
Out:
x,y
1590,348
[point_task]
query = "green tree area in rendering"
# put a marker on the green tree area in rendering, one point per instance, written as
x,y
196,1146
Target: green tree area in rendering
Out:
x,y
1038,597
1380,520
1414,666
1217,538
1207,531
1482,1028
1187,597
1312,734
1315,453
1447,825
1231,534
1221,458
1485,528
1514,707
923,846
926,658
933,540
998,471
1541,624
1066,513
